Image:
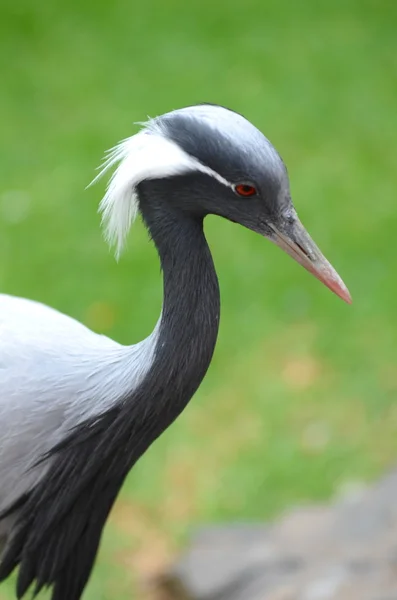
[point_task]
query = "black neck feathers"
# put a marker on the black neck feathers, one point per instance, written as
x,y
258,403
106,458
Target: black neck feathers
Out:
x,y
191,307
58,526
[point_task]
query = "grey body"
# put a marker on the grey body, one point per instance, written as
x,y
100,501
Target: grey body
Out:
x,y
51,369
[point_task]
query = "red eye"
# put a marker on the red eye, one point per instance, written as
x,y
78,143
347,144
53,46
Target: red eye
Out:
x,y
243,189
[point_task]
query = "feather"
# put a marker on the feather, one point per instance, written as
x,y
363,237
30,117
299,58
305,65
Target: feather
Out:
x,y
148,154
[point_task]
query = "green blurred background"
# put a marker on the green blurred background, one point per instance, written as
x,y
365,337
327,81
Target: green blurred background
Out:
x,y
299,402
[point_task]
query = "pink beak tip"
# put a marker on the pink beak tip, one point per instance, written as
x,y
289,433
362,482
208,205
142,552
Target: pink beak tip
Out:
x,y
346,296
338,287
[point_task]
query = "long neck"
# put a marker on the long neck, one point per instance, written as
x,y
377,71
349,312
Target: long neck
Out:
x,y
60,521
191,307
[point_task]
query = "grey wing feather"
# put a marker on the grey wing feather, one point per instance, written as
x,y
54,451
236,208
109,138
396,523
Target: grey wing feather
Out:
x,y
54,374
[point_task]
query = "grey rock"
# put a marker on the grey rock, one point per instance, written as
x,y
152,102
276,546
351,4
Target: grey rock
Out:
x,y
343,551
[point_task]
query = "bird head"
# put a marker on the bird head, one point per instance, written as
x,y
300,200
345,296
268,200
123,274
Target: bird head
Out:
x,y
207,159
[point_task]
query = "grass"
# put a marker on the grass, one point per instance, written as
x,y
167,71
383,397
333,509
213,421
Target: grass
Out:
x,y
300,398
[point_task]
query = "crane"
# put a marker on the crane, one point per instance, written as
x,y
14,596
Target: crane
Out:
x,y
77,409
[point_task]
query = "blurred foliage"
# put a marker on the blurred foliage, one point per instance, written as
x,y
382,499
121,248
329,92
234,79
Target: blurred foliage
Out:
x,y
299,401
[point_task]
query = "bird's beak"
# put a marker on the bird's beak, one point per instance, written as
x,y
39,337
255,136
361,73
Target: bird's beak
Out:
x,y
295,240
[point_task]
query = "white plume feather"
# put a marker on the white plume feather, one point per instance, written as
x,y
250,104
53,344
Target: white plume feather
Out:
x,y
146,155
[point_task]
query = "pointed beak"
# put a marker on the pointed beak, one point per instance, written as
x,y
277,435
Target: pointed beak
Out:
x,y
296,242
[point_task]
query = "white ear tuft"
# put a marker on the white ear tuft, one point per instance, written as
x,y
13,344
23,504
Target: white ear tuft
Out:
x,y
145,155
119,206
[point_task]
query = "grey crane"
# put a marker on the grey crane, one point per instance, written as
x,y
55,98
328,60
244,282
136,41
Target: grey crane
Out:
x,y
77,409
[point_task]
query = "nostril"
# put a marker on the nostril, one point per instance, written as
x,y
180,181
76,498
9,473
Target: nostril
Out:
x,y
304,251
